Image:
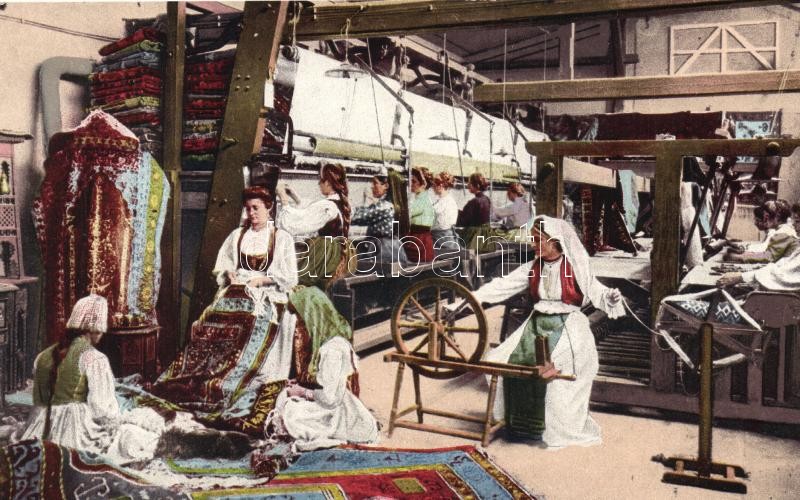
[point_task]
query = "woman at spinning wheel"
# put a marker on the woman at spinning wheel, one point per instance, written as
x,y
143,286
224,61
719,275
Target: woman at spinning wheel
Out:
x,y
560,282
327,221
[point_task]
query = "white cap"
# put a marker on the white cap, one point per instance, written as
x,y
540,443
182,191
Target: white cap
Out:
x,y
90,314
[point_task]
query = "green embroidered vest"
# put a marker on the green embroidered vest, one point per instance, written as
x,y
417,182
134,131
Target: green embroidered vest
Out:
x,y
71,386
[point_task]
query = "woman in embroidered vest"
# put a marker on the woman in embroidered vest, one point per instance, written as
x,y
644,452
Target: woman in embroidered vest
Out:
x,y
418,243
560,282
73,394
247,333
327,224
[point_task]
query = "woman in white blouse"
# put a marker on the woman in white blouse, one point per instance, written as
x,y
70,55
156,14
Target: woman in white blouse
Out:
x,y
247,331
73,394
446,213
331,414
560,282
326,222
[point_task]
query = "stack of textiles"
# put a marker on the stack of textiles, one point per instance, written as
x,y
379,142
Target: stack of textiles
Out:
x,y
206,90
127,84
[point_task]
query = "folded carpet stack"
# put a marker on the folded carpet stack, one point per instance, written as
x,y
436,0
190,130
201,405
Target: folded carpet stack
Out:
x,y
206,81
127,83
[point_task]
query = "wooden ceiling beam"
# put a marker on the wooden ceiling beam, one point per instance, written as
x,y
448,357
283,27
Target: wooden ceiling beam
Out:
x,y
396,17
589,89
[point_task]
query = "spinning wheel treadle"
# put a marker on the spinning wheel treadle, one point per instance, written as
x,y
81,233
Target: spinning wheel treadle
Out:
x,y
421,326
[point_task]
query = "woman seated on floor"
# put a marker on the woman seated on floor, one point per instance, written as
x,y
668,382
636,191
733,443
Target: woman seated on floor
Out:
x,y
330,414
327,224
560,282
781,240
246,332
73,394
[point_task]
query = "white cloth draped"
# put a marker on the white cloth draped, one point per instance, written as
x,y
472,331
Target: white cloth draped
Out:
x,y
567,419
335,416
97,425
445,211
308,220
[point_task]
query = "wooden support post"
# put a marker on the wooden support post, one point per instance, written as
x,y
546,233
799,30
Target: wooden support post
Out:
x,y
549,185
665,258
616,49
566,52
487,426
256,54
169,296
704,434
398,383
417,395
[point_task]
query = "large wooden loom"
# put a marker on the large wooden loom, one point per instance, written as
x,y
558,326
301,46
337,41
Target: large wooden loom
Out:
x,y
662,391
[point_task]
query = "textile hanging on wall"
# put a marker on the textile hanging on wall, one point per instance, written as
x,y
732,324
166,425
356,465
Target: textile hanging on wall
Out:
x,y
630,126
98,220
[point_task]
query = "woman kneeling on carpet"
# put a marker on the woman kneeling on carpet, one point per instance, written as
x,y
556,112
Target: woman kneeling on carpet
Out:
x,y
73,394
331,414
560,282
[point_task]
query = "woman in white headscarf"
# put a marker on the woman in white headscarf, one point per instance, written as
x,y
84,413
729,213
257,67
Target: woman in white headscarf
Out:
x,y
560,282
73,394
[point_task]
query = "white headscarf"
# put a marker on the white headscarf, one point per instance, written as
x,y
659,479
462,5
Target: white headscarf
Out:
x,y
573,249
90,314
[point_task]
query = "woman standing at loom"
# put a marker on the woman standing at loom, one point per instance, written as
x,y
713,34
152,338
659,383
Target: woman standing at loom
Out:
x,y
446,214
327,221
560,282
474,217
379,216
419,241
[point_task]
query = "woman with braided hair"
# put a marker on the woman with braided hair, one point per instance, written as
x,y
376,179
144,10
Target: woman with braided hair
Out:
x,y
73,394
327,224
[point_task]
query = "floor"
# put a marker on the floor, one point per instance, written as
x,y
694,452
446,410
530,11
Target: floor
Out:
x,y
619,468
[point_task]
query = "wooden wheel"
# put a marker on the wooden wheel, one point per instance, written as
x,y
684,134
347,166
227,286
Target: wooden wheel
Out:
x,y
419,316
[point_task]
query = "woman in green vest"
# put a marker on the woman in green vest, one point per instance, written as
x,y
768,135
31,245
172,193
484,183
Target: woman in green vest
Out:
x,y
73,394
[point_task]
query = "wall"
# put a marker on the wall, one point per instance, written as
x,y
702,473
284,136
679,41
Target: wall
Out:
x,y
649,38
25,46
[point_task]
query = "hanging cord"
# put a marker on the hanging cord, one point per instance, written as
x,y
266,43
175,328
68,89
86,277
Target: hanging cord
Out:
x,y
298,8
375,102
446,74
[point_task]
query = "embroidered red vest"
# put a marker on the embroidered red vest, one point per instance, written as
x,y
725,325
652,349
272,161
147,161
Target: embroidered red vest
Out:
x,y
570,291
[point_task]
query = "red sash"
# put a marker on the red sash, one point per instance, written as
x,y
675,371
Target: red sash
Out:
x,y
570,291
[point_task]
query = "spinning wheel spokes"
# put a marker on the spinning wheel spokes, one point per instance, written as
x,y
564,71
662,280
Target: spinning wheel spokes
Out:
x,y
419,312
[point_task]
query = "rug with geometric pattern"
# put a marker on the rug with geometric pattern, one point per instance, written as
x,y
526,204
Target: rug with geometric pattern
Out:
x,y
354,472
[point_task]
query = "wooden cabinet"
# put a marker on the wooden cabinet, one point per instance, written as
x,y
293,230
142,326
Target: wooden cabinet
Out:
x,y
16,289
132,350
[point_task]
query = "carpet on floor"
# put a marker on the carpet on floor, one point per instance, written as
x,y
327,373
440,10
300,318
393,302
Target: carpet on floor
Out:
x,y
354,472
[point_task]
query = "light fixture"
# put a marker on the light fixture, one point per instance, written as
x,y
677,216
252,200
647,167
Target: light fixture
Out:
x,y
346,70
441,136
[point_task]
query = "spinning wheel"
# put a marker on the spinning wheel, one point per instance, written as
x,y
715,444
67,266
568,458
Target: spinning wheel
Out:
x,y
422,326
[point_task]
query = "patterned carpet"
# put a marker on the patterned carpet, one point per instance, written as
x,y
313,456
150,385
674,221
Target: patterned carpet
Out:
x,y
32,470
360,473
